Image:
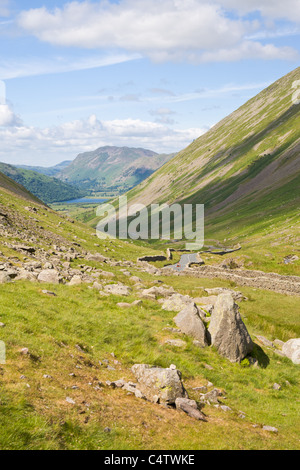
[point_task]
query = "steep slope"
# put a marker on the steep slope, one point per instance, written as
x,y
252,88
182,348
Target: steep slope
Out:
x,y
112,168
44,187
11,186
246,169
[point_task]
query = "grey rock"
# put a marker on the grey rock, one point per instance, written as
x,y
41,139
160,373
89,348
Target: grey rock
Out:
x,y
212,396
177,302
190,407
270,429
25,275
177,343
236,295
190,323
70,400
117,289
75,281
228,332
276,386
225,408
266,342
158,291
50,276
159,385
292,350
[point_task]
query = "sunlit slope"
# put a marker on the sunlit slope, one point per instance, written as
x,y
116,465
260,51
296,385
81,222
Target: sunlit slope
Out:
x,y
249,154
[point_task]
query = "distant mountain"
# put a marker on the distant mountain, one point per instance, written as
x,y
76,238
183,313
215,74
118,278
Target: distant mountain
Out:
x,y
45,188
112,168
48,171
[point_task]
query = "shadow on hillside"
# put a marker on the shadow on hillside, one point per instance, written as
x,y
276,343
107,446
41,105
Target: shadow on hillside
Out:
x,y
260,355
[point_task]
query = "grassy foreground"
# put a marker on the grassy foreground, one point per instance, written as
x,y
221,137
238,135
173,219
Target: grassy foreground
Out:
x,y
69,334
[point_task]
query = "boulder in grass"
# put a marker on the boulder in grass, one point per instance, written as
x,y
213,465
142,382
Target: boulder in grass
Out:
x,y
50,276
75,281
159,385
117,289
291,349
190,407
190,323
227,330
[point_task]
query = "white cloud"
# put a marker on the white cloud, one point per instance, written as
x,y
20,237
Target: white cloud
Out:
x,y
137,26
57,143
250,50
8,118
172,30
288,9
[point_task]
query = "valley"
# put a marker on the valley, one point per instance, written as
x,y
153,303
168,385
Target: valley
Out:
x,y
106,350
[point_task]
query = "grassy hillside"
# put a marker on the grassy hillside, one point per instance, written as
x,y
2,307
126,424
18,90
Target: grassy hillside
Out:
x,y
10,185
48,171
56,396
246,170
112,168
44,187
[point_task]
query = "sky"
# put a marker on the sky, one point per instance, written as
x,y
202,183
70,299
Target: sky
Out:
x,y
156,74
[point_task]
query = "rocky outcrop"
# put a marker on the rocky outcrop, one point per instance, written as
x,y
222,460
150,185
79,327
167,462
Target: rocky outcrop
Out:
x,y
159,385
228,332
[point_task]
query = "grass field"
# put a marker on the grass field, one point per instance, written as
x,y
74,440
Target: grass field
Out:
x,y
71,333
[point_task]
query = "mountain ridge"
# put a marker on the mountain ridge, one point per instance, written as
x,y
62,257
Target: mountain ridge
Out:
x,y
112,167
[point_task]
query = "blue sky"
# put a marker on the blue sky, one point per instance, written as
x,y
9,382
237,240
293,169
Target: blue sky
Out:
x,y
143,73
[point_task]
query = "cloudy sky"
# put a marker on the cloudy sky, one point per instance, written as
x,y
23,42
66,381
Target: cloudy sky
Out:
x,y
156,74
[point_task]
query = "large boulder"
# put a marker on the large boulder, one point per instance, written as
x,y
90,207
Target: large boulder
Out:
x,y
190,323
227,330
49,275
291,349
159,385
